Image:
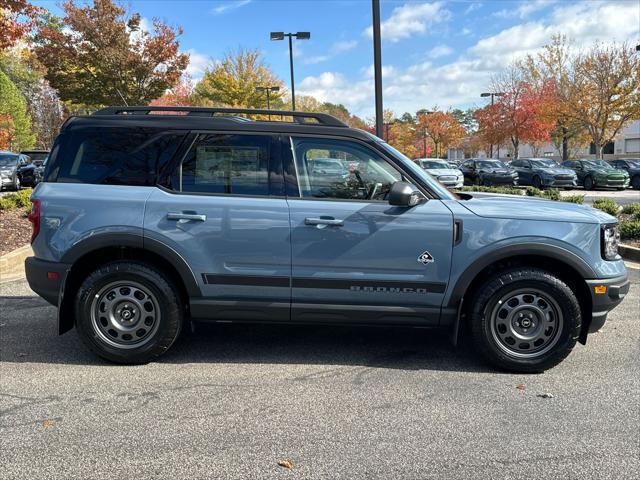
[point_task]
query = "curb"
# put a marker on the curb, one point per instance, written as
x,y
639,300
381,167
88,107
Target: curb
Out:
x,y
12,264
629,253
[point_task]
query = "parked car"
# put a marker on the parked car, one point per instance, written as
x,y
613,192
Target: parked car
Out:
x,y
441,170
632,167
487,172
544,172
31,174
37,157
144,222
598,174
9,164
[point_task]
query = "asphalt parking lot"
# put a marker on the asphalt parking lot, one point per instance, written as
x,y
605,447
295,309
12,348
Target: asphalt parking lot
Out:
x,y
233,400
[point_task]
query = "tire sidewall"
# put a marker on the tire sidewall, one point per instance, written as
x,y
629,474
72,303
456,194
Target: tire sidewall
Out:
x,y
166,297
568,336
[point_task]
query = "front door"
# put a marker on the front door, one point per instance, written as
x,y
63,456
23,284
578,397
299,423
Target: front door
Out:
x,y
227,216
354,256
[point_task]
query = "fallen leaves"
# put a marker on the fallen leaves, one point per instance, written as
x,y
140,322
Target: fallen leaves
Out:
x,y
22,354
47,422
521,386
286,463
544,395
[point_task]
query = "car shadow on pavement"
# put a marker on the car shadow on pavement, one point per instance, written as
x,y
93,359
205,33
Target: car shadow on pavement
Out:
x,y
28,333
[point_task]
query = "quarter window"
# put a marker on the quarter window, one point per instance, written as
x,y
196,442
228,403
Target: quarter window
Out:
x,y
227,164
341,169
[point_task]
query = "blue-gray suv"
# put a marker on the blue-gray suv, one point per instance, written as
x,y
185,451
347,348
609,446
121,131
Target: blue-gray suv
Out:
x,y
146,221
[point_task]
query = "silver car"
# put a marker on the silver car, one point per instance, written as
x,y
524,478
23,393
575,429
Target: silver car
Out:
x,y
9,164
441,170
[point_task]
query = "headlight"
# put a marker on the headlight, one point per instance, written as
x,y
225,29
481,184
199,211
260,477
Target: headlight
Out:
x,y
610,241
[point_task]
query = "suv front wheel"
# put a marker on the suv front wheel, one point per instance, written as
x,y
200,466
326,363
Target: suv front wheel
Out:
x,y
128,312
525,320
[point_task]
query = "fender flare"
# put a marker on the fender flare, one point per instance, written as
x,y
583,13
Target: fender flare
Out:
x,y
543,250
135,240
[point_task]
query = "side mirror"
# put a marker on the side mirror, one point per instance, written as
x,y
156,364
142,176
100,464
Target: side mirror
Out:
x,y
404,194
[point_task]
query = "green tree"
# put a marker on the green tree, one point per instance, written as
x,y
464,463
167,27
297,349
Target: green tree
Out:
x,y
232,82
13,108
104,57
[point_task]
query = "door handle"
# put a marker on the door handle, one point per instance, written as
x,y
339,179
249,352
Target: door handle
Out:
x,y
186,216
324,221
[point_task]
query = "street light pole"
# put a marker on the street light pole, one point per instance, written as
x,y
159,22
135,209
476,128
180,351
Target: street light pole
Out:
x,y
492,94
268,89
298,36
377,67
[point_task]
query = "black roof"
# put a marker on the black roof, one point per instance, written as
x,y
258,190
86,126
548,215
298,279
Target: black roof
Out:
x,y
201,118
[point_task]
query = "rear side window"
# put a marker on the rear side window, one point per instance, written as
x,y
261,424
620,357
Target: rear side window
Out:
x,y
115,156
227,164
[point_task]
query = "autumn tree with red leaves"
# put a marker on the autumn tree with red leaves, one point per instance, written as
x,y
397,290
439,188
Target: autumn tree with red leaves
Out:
x,y
105,57
17,18
520,115
180,95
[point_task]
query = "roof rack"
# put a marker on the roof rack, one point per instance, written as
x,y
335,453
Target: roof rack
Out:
x,y
298,117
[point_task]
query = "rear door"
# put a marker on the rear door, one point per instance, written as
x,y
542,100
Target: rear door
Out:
x,y
354,256
225,213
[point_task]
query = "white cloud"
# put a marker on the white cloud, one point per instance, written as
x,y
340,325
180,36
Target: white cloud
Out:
x,y
410,19
440,51
459,83
231,5
336,49
197,64
525,9
472,8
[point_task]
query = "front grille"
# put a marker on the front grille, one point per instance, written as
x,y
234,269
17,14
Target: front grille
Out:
x,y
447,179
564,177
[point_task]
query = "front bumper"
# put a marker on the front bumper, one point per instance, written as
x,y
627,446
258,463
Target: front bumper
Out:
x,y
457,183
613,291
501,179
46,278
611,183
559,182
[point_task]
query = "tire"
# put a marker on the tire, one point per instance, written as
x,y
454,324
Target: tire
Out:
x,y
588,183
635,182
145,312
500,307
486,182
537,182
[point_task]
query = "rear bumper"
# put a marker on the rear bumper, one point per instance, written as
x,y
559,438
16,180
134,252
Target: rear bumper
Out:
x,y
46,278
603,303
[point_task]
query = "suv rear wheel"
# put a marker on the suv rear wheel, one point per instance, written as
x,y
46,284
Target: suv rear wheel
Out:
x,y
525,320
128,312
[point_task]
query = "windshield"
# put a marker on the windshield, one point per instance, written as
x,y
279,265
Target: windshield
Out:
x,y
597,164
541,163
8,160
420,173
490,164
633,163
434,164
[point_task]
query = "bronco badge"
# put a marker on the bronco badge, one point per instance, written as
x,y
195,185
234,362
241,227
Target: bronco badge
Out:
x,y
425,258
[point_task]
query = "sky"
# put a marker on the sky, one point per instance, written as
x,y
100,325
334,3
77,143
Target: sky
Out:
x,y
439,53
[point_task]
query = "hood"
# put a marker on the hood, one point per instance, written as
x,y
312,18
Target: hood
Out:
x,y
443,171
609,171
518,207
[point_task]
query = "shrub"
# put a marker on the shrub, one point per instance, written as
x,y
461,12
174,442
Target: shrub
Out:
x,y
19,199
579,199
632,209
533,192
630,229
607,205
551,194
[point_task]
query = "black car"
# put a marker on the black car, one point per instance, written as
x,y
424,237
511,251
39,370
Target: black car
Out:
x,y
37,156
488,172
31,174
632,167
544,172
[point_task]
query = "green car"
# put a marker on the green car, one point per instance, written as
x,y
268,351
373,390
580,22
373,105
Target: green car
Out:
x,y
598,174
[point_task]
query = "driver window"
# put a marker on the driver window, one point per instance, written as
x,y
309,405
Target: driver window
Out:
x,y
341,169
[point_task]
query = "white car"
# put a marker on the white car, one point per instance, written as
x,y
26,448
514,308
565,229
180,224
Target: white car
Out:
x,y
441,170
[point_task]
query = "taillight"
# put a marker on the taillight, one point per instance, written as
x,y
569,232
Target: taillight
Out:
x,y
34,218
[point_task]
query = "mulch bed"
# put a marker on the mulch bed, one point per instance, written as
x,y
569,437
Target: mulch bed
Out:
x,y
15,230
